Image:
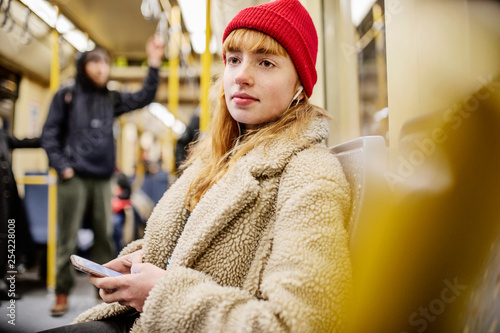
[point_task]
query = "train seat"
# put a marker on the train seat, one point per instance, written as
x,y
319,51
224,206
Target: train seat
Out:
x,y
363,160
36,204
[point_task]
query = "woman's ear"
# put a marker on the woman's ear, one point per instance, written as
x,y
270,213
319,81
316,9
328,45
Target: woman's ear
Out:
x,y
298,95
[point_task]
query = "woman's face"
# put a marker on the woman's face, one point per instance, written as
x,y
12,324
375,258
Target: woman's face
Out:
x,y
258,86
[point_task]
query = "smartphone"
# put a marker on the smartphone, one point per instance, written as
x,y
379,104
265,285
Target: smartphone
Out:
x,y
90,267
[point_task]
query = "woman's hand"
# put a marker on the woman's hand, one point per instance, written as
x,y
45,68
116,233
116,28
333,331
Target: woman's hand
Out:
x,y
124,263
155,49
130,289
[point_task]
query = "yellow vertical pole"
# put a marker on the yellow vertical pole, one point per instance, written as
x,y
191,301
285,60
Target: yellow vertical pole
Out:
x,y
206,64
380,58
175,41
52,230
173,59
52,189
119,147
54,63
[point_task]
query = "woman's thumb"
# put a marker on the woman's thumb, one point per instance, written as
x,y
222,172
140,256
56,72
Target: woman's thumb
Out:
x,y
136,268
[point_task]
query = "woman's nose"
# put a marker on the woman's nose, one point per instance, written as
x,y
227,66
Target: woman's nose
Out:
x,y
244,75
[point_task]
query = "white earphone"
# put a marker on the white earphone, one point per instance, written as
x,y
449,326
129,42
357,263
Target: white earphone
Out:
x,y
299,90
297,94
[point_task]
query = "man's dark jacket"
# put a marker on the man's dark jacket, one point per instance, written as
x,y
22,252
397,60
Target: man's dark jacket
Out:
x,y
78,132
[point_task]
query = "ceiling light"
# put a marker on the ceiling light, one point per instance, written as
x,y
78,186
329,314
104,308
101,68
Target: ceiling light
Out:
x,y
194,13
65,27
79,40
43,9
198,42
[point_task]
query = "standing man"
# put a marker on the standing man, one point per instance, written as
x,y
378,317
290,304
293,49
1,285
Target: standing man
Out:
x,y
78,139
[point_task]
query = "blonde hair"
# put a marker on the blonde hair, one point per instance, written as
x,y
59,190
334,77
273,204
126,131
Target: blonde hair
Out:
x,y
217,149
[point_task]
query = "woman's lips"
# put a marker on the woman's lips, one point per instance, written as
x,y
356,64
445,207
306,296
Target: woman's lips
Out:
x,y
242,99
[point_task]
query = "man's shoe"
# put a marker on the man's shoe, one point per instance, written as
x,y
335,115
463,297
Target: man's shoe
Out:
x,y
61,305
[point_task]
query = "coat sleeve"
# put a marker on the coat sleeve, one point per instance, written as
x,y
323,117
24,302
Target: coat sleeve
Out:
x,y
126,102
52,138
304,285
132,247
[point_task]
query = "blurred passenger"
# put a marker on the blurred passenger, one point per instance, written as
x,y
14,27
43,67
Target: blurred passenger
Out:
x,y
119,203
78,138
253,233
13,219
189,136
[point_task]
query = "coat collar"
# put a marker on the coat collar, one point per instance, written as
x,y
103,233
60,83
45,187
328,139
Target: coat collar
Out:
x,y
217,207
271,158
238,189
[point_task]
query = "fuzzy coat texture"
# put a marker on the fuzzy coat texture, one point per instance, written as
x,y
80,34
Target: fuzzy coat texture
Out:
x,y
265,249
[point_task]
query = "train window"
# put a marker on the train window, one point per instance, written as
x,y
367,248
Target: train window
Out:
x,y
372,73
9,83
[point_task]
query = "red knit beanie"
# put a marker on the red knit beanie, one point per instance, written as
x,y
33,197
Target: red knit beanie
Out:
x,y
289,23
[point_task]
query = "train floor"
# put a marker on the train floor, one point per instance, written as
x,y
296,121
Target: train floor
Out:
x,y
31,312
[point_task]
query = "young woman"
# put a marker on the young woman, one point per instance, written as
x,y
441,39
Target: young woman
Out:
x,y
252,236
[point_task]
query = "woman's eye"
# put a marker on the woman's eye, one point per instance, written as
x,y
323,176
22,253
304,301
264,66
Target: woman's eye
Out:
x,y
233,60
266,63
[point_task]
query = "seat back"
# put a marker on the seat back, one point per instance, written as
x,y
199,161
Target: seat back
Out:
x,y
362,160
36,203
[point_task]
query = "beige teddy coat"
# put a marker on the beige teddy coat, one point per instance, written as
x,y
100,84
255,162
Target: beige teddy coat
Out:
x,y
265,249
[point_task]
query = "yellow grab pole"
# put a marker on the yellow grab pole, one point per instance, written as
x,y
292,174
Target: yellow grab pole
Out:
x,y
52,230
52,189
54,62
380,57
173,85
173,59
206,64
175,41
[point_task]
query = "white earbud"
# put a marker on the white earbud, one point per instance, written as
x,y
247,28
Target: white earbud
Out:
x,y
297,94
296,97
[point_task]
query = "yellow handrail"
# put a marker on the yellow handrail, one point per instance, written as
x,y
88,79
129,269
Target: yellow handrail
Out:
x,y
52,232
52,222
34,180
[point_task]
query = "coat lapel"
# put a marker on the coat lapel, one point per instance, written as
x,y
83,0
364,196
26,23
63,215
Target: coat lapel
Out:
x,y
237,190
217,207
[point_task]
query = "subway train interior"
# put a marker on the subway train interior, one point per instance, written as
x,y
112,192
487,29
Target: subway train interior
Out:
x,y
412,88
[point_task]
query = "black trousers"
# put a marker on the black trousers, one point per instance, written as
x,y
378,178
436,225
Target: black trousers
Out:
x,y
118,324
